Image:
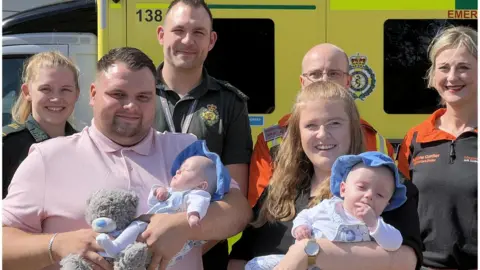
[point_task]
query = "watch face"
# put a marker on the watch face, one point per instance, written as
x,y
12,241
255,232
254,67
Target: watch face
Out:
x,y
312,248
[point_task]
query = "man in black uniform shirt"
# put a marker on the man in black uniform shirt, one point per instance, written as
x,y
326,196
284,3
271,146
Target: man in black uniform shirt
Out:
x,y
191,101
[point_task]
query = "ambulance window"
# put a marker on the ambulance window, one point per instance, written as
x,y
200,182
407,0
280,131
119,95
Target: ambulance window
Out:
x,y
12,78
244,56
406,63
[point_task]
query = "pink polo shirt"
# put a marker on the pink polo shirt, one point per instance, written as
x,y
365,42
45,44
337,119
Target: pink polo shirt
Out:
x,y
48,192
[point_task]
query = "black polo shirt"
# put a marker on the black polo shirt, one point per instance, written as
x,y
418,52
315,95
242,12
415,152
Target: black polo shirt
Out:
x,y
220,117
444,168
17,139
276,237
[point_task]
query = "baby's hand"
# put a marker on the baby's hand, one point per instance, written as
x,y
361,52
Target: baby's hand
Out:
x,y
161,193
366,214
193,219
302,232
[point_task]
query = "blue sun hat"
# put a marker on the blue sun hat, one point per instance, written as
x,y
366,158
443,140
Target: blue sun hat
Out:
x,y
199,148
342,166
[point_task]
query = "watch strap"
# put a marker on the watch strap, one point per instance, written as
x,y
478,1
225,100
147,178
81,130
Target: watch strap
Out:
x,y
312,260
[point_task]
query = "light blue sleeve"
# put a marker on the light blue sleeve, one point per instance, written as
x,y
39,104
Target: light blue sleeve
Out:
x,y
152,200
308,216
197,201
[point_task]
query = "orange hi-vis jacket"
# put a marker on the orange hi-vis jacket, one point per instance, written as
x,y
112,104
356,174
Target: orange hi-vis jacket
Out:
x,y
261,162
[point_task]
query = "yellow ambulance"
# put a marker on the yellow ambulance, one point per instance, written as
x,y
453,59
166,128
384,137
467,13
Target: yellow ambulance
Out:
x,y
259,49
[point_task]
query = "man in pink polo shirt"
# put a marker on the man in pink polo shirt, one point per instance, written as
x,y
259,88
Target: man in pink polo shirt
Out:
x,y
43,214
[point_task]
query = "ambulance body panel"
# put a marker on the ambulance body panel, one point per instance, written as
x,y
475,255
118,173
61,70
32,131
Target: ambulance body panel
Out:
x,y
261,44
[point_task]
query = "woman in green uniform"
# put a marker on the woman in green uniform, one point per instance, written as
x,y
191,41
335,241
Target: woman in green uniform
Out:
x,y
46,100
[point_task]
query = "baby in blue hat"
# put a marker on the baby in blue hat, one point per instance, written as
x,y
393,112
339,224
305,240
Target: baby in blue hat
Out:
x,y
199,177
363,187
191,190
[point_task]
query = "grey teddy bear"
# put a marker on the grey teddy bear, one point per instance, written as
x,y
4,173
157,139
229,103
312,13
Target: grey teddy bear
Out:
x,y
111,211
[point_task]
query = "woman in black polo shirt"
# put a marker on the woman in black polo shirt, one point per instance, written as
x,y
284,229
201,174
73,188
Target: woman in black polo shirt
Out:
x,y
440,154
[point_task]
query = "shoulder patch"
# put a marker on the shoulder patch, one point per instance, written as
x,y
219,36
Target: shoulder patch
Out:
x,y
273,132
232,88
12,128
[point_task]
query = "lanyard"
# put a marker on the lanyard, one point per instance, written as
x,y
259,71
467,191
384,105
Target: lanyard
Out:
x,y
168,115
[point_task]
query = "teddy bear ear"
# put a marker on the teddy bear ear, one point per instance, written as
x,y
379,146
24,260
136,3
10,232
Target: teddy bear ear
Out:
x,y
134,198
133,195
91,196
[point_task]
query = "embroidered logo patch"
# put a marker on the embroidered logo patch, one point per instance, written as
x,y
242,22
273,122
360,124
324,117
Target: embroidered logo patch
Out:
x,y
273,132
470,159
431,158
210,114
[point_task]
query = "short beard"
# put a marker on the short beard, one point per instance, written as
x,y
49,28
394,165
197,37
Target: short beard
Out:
x,y
126,130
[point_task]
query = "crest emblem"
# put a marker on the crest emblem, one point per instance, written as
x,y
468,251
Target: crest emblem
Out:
x,y
363,79
210,114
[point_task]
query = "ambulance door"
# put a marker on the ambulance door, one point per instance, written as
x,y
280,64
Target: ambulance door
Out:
x,y
387,42
259,49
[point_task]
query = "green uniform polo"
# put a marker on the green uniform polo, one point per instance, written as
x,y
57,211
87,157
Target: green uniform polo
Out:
x,y
17,139
220,117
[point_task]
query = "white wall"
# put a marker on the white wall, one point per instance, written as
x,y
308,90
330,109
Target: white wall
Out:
x,y
10,7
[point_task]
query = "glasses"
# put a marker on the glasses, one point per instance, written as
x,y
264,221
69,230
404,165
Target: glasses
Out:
x,y
317,75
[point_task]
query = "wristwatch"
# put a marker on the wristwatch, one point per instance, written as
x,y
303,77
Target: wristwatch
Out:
x,y
312,249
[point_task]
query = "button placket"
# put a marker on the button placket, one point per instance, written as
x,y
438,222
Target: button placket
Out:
x,y
127,166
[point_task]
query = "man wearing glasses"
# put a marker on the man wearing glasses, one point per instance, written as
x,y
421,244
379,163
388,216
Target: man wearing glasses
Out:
x,y
322,62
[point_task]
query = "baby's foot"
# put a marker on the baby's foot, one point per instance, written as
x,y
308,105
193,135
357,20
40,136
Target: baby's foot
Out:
x,y
104,225
104,241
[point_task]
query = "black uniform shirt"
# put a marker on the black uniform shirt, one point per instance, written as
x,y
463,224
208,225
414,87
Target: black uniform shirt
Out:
x,y
17,139
220,117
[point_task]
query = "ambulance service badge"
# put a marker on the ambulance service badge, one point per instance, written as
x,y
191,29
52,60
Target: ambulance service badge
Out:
x,y
210,114
363,79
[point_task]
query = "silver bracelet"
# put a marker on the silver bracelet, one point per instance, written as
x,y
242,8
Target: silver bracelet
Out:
x,y
50,244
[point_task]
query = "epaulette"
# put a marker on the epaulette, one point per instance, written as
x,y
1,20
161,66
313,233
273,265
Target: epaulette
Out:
x,y
232,88
12,128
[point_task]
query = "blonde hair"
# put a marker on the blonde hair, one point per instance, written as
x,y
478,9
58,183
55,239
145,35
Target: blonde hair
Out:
x,y
447,38
22,107
293,170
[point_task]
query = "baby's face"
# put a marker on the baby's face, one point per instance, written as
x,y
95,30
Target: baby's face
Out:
x,y
188,176
370,185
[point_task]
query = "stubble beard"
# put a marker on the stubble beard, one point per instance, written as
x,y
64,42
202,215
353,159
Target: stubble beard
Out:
x,y
126,129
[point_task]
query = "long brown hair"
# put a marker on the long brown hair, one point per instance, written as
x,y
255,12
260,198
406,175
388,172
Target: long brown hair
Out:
x,y
293,170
